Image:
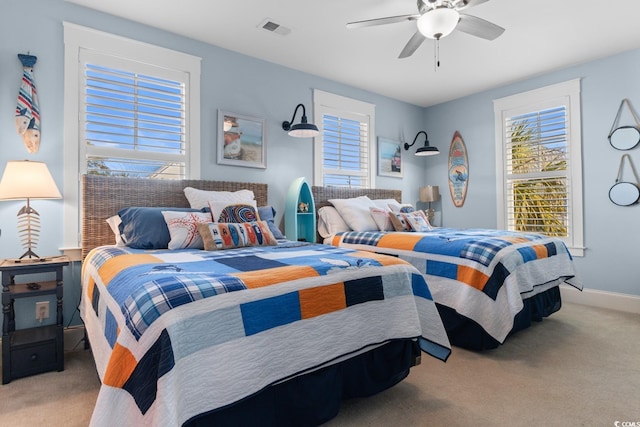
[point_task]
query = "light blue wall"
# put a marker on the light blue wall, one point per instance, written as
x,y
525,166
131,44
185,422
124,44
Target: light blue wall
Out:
x,y
230,81
611,232
237,83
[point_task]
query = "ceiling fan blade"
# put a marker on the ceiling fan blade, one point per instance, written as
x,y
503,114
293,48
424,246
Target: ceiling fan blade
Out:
x,y
414,43
382,21
465,4
479,27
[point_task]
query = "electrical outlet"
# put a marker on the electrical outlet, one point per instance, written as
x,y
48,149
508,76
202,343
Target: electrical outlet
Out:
x,y
42,310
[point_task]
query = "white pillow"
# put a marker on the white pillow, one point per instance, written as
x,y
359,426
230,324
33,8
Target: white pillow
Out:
x,y
183,229
330,222
381,218
386,203
114,222
199,199
355,212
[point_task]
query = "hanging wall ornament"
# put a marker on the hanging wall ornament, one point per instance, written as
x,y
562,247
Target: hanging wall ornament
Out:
x,y
625,137
458,170
27,109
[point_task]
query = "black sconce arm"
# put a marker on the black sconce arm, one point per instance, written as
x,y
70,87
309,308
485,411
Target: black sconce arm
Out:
x,y
407,145
287,125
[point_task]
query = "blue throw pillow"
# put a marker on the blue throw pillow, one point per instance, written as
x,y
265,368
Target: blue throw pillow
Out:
x,y
267,213
146,228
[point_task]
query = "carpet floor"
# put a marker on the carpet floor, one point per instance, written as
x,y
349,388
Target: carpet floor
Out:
x,y
579,367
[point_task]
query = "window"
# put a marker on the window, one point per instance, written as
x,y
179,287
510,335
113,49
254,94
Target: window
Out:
x,y
131,109
134,124
538,153
344,150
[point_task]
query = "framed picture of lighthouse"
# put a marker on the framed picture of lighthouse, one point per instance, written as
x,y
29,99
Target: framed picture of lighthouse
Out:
x,y
241,140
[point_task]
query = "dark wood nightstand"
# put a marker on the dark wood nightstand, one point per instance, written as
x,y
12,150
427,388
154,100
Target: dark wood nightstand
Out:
x,y
34,350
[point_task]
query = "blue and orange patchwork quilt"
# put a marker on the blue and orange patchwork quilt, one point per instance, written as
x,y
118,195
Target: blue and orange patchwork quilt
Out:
x,y
483,274
178,333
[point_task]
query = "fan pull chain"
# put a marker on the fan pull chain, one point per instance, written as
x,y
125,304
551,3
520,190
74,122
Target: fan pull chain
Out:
x,y
436,55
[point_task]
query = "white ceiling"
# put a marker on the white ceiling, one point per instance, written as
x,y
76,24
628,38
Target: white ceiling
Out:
x,y
540,36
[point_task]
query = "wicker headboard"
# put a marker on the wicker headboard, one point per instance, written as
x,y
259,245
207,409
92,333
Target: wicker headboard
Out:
x,y
103,197
322,195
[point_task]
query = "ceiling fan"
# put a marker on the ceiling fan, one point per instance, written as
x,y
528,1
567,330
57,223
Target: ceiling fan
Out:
x,y
437,19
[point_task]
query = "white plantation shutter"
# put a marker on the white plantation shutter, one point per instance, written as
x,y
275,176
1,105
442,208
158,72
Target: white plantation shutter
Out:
x,y
346,152
134,118
538,154
344,148
130,109
537,157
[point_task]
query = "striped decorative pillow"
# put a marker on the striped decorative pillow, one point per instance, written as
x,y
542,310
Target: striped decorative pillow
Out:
x,y
218,235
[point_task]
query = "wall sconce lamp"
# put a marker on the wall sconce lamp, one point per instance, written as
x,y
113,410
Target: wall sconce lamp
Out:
x,y
426,150
428,194
24,179
302,129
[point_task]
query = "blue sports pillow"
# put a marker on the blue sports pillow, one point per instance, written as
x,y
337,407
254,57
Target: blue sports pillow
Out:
x,y
146,228
267,213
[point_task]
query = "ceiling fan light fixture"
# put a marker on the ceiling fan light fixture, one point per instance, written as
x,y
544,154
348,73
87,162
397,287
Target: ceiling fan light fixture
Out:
x,y
438,22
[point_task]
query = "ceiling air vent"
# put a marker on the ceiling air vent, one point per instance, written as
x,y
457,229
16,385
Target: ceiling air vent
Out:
x,y
274,27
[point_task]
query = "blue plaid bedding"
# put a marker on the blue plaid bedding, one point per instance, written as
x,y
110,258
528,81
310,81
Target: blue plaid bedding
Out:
x,y
178,333
482,274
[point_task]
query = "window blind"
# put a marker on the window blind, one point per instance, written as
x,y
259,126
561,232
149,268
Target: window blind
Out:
x,y
536,152
134,123
346,152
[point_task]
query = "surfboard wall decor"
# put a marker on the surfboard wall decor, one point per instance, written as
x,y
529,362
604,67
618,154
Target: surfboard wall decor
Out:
x,y
458,170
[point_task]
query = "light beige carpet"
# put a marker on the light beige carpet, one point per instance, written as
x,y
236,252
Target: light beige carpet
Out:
x,y
579,367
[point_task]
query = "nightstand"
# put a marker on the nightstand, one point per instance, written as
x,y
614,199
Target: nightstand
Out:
x,y
34,350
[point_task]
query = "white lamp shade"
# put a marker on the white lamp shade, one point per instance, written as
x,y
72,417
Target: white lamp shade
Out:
x,y
438,22
429,193
24,179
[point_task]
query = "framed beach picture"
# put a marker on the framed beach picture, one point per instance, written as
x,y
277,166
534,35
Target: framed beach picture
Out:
x,y
241,140
389,157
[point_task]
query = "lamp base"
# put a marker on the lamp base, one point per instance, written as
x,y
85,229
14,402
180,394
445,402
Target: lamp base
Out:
x,y
430,215
28,257
29,253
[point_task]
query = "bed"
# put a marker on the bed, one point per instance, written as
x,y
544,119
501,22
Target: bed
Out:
x,y
255,335
487,284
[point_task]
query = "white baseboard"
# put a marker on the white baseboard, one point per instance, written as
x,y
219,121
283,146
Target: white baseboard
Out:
x,y
602,299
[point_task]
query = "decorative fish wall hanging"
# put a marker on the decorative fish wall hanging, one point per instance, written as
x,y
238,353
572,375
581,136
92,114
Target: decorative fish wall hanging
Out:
x,y
27,109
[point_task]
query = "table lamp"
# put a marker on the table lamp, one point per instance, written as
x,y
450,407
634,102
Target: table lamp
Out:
x,y
428,194
25,179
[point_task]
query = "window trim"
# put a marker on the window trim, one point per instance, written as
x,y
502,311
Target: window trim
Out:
x,y
567,93
77,37
323,101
